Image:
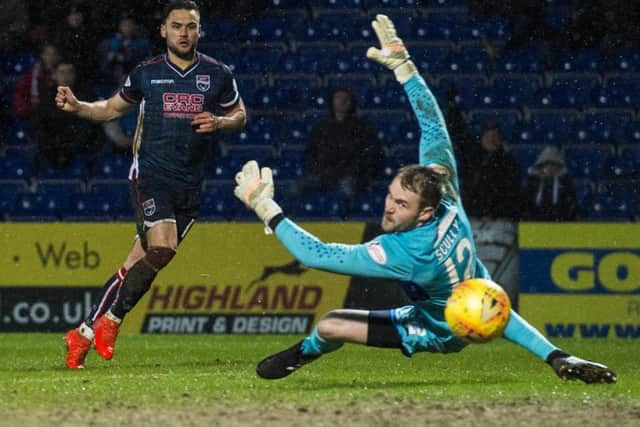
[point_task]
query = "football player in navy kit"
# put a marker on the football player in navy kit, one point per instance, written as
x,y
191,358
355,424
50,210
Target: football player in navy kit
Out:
x,y
177,94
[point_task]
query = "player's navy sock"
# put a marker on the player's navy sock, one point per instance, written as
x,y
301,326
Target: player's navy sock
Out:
x,y
314,344
106,296
525,335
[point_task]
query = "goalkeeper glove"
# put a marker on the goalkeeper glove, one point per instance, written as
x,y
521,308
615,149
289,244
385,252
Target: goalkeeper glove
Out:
x,y
255,189
394,54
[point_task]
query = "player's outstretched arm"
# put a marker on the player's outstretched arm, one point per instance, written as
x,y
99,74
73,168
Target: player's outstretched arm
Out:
x,y
435,144
255,189
99,111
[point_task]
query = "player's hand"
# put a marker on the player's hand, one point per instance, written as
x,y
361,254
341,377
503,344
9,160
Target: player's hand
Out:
x,y
66,100
206,122
393,53
255,189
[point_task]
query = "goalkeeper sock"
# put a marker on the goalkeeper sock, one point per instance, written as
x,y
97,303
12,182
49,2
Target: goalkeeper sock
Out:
x,y
315,345
525,335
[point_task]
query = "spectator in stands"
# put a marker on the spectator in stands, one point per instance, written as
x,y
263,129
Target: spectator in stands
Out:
x,y
490,175
123,50
549,194
343,151
14,25
76,41
61,136
32,83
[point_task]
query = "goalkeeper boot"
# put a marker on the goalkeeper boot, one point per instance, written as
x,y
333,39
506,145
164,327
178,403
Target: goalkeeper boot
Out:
x,y
77,348
573,368
286,362
106,330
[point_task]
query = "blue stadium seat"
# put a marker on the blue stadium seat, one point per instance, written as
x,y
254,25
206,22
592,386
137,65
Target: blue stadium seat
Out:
x,y
470,60
219,30
518,89
439,29
289,166
284,5
264,30
257,59
554,120
321,206
295,91
606,207
260,131
506,118
431,58
337,5
359,83
588,160
368,205
10,189
391,95
526,156
521,61
578,61
112,166
315,56
18,134
605,125
15,166
621,167
585,189
219,202
624,61
380,4
59,187
118,192
14,64
488,28
535,133
559,97
618,92
248,86
35,207
76,170
333,27
295,132
94,207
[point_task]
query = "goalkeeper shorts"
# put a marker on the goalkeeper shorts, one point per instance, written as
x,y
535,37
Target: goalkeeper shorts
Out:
x,y
419,331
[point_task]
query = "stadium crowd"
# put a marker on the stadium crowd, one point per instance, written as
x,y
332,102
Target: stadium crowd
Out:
x,y
546,90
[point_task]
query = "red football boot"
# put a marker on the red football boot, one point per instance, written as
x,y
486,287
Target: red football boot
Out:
x,y
106,331
77,348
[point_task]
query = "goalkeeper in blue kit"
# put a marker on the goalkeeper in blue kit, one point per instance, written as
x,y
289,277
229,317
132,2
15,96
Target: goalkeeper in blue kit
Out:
x,y
427,245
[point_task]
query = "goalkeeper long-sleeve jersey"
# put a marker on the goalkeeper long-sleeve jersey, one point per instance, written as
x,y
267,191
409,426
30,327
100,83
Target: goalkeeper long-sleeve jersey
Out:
x,y
428,260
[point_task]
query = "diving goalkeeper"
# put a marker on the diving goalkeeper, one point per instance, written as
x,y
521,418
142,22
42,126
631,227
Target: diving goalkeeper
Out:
x,y
428,246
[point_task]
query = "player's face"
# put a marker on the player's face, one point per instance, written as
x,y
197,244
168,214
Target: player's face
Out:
x,y
182,30
402,209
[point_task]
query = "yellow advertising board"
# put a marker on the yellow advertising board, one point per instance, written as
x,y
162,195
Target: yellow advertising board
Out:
x,y
226,278
581,280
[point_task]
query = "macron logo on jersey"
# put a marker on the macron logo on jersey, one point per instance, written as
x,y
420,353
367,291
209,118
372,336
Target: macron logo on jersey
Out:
x,y
377,253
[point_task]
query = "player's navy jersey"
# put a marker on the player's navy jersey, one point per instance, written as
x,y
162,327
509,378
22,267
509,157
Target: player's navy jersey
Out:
x,y
428,260
165,144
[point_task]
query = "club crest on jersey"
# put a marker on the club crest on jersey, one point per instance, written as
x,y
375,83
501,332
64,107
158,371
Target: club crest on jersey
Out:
x,y
149,207
203,82
376,251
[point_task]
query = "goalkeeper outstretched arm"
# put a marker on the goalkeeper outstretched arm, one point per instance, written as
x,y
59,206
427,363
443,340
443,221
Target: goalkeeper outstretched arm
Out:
x,y
435,145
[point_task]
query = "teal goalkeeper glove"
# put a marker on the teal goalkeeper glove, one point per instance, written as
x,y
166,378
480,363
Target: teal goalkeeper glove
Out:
x,y
255,189
394,54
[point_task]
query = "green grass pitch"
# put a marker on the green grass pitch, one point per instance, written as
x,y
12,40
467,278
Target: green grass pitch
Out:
x,y
191,372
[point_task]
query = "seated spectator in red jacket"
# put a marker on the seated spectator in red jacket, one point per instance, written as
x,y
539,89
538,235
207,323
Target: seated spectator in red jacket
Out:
x,y
549,194
31,84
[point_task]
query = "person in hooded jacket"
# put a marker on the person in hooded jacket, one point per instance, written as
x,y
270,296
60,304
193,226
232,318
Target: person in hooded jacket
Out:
x,y
549,194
